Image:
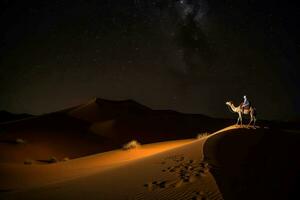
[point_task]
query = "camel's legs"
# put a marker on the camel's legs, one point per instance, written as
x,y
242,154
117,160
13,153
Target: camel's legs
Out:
x,y
237,122
251,119
240,119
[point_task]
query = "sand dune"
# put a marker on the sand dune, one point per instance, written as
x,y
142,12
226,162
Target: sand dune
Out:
x,y
255,164
230,163
20,176
94,127
49,135
233,163
101,110
7,116
169,170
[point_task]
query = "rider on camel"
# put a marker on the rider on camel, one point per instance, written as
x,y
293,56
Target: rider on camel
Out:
x,y
245,104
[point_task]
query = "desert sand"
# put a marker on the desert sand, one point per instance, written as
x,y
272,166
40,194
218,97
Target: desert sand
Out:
x,y
230,163
168,170
95,127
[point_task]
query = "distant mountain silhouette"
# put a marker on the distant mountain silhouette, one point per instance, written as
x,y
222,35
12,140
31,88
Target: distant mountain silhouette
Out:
x,y
129,118
101,109
7,116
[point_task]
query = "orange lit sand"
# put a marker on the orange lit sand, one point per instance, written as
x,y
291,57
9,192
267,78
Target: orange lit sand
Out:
x,y
114,175
167,170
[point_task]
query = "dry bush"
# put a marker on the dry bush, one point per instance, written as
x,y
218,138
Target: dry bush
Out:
x,y
53,160
66,159
131,145
202,135
20,141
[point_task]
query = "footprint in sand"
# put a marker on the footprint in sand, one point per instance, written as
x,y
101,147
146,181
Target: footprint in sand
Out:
x,y
199,195
179,183
186,172
156,185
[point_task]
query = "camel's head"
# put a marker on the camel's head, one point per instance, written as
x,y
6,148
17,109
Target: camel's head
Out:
x,y
228,103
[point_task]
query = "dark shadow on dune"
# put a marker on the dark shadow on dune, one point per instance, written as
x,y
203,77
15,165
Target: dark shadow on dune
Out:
x,y
8,142
7,116
255,164
69,133
5,190
47,161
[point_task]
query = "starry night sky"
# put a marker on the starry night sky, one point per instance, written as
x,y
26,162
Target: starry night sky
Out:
x,y
188,55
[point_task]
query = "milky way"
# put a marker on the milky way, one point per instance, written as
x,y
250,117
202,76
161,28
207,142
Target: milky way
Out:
x,y
186,55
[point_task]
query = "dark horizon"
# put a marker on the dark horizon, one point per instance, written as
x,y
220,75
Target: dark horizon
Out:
x,y
189,56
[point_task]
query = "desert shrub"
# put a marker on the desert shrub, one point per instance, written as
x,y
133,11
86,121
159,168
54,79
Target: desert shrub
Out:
x,y
28,162
65,159
53,160
202,135
131,145
20,141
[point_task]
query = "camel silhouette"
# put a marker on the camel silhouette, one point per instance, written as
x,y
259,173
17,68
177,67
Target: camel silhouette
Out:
x,y
238,109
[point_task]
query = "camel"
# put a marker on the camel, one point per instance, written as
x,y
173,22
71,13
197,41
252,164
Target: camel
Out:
x,y
251,111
